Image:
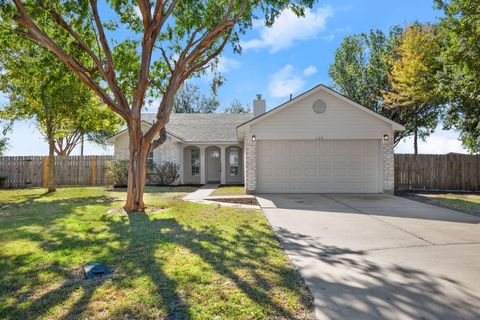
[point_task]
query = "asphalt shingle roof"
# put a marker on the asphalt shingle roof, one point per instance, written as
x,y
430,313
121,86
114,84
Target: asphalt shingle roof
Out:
x,y
200,127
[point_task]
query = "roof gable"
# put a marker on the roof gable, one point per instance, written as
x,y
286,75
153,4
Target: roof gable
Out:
x,y
395,126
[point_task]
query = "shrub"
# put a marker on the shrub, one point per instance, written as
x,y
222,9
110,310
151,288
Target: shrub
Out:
x,y
3,182
163,174
116,172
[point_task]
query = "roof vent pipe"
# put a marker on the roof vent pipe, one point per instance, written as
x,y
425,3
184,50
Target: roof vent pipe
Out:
x,y
259,106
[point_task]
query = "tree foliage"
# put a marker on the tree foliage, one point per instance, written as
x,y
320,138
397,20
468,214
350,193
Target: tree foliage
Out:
x,y
172,40
460,76
236,107
41,88
414,89
189,99
360,71
4,129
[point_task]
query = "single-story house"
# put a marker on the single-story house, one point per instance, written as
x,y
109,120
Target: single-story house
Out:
x,y
318,142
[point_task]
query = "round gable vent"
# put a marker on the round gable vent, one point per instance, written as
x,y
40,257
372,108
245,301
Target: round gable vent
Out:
x,y
319,106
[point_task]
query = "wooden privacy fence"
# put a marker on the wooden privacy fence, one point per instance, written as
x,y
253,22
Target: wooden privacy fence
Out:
x,y
32,171
449,172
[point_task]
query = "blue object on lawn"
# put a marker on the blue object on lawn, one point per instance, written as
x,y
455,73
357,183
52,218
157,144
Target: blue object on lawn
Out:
x,y
94,270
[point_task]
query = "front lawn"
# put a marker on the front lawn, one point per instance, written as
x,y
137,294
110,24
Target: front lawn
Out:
x,y
180,260
229,191
465,202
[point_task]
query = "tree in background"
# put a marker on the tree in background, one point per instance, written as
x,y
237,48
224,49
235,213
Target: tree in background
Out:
x,y
43,89
460,76
414,89
360,71
3,138
236,107
173,41
189,99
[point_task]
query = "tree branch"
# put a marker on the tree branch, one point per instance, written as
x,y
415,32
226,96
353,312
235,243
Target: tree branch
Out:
x,y
149,38
109,71
145,9
40,37
160,140
186,63
167,61
62,23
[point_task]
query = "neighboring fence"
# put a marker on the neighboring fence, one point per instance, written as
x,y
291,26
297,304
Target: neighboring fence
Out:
x,y
449,172
69,171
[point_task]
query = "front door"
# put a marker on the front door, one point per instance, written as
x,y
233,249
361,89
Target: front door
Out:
x,y
213,164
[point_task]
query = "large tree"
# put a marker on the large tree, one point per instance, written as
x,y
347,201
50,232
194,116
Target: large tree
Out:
x,y
174,40
461,73
413,79
360,71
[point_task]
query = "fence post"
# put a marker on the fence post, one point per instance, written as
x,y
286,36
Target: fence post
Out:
x,y
94,170
45,172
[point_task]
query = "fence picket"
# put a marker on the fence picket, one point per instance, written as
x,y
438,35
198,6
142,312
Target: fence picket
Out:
x,y
31,171
450,172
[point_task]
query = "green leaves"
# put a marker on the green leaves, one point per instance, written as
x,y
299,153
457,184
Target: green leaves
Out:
x,y
461,60
394,75
41,88
189,99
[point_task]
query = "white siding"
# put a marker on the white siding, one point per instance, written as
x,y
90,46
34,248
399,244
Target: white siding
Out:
x,y
340,121
168,151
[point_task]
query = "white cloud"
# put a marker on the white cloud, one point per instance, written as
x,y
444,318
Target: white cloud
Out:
x,y
285,82
226,64
288,29
440,142
309,71
289,80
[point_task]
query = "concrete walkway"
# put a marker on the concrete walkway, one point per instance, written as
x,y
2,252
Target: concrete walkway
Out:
x,y
202,195
380,257
202,192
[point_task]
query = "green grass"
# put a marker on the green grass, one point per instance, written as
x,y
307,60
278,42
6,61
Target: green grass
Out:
x,y
229,191
180,260
468,203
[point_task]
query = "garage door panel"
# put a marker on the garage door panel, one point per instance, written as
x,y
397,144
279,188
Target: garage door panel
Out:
x,y
325,172
323,166
280,172
295,172
355,172
324,159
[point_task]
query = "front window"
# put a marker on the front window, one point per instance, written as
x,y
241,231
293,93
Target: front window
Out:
x,y
233,162
195,162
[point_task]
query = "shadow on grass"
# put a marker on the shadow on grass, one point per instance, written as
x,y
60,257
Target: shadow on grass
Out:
x,y
130,244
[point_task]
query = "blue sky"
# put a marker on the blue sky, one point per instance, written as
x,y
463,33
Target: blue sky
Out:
x,y
289,58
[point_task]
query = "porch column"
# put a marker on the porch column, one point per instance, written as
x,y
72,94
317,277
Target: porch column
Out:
x,y
222,165
250,163
180,161
202,165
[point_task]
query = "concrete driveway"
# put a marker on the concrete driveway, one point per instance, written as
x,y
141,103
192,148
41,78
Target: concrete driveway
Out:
x,y
379,256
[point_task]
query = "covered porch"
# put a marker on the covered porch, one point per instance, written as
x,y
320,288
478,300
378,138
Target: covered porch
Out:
x,y
212,163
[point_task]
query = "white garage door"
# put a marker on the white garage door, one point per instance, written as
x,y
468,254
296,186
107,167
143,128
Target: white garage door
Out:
x,y
323,166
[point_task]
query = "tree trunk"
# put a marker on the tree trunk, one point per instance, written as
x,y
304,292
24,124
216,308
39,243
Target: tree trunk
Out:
x,y
81,146
137,168
51,160
415,133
